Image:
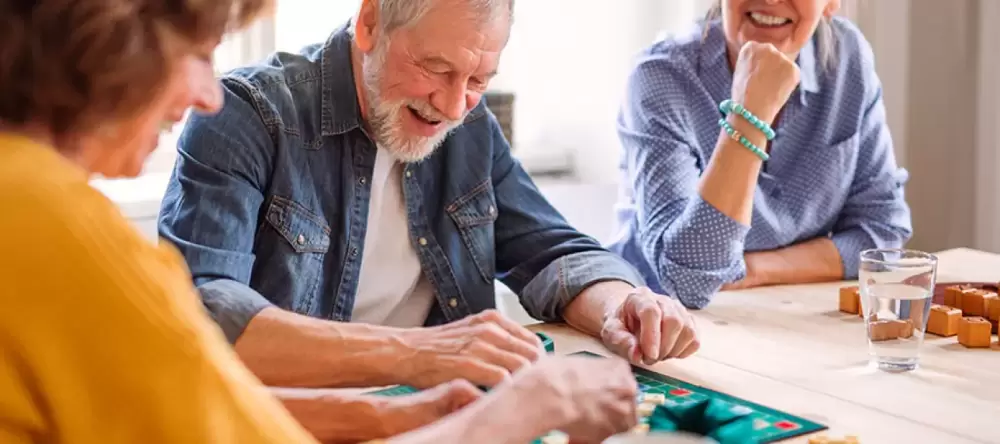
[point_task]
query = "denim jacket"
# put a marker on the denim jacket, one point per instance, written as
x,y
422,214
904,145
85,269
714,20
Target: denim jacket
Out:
x,y
268,203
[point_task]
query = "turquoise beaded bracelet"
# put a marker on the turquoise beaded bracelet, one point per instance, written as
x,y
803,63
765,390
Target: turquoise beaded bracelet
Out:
x,y
735,135
728,106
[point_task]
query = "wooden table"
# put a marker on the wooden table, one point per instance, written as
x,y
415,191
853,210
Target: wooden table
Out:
x,y
789,348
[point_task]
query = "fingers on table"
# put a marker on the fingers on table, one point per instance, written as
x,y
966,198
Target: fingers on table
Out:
x,y
516,332
680,323
620,340
650,315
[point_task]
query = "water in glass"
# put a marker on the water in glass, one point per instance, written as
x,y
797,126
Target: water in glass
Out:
x,y
896,291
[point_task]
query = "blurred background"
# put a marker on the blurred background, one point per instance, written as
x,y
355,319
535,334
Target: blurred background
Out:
x,y
937,60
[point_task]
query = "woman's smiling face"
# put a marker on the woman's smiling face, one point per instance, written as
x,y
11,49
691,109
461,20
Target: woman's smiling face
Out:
x,y
786,24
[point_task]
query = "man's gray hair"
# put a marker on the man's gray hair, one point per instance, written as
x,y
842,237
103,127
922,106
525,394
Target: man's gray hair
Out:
x,y
396,14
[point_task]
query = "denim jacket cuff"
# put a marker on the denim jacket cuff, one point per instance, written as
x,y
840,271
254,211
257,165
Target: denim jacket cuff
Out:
x,y
547,295
232,305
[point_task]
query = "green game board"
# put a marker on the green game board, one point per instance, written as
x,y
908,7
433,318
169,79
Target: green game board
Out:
x,y
688,407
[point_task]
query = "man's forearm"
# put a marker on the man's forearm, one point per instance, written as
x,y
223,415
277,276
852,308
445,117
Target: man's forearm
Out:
x,y
291,350
333,417
817,260
587,312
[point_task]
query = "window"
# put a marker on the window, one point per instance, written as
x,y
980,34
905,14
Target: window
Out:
x,y
237,49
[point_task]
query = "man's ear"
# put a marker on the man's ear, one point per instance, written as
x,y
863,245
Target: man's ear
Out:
x,y
366,25
832,6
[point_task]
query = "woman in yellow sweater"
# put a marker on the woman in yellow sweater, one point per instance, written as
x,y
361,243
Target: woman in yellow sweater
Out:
x,y
102,338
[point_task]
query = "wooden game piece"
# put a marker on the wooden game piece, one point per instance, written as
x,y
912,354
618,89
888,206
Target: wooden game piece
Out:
x,y
903,328
993,312
654,398
883,330
555,438
850,300
645,409
953,295
640,429
823,439
974,301
974,332
943,320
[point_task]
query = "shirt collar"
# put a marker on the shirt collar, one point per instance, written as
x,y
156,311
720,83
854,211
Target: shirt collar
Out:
x,y
341,108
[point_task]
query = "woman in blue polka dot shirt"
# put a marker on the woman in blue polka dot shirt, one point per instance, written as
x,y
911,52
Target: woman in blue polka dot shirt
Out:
x,y
700,210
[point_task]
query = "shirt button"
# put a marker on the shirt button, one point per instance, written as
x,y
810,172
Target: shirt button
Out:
x,y
408,173
301,239
453,302
422,241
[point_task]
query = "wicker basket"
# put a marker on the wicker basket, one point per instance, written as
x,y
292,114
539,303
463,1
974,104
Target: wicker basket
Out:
x,y
501,103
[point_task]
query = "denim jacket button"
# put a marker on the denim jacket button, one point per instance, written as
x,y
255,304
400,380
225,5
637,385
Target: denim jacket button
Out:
x,y
408,173
490,210
422,241
453,302
301,240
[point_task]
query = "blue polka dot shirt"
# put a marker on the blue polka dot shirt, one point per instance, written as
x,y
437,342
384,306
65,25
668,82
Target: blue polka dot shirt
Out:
x,y
832,170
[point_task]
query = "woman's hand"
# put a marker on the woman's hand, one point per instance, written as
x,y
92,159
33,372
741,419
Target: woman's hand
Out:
x,y
763,80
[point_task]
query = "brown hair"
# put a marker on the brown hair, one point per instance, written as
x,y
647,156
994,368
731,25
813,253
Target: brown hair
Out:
x,y
73,65
826,38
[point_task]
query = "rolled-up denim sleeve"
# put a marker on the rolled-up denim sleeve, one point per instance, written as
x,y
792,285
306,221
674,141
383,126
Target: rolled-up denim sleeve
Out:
x,y
210,209
875,214
692,247
539,256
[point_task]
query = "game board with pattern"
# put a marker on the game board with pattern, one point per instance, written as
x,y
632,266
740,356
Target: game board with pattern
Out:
x,y
765,424
759,424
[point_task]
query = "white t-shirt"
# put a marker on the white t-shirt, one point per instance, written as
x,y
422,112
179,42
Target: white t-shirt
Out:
x,y
392,289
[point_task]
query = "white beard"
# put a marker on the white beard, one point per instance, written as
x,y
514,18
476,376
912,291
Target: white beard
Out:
x,y
385,117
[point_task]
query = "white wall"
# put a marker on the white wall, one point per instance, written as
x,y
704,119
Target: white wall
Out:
x,y
886,24
988,142
568,61
939,68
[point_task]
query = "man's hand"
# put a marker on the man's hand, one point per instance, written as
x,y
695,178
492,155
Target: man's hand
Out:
x,y
590,399
648,327
405,413
587,398
484,349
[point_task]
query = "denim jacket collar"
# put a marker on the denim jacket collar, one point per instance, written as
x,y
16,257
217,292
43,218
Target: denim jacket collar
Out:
x,y
341,107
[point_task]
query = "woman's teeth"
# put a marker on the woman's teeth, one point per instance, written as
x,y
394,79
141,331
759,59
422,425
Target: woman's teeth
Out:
x,y
768,20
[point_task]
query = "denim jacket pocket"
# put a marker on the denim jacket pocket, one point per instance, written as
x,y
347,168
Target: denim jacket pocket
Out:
x,y
300,247
305,232
474,214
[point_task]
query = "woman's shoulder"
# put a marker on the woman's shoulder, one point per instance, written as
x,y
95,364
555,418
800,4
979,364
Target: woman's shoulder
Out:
x,y
853,51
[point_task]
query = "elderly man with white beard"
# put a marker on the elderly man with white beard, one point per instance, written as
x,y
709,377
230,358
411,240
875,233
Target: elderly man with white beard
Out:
x,y
346,213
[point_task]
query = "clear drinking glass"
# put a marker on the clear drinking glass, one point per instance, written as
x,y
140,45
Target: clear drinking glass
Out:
x,y
896,290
